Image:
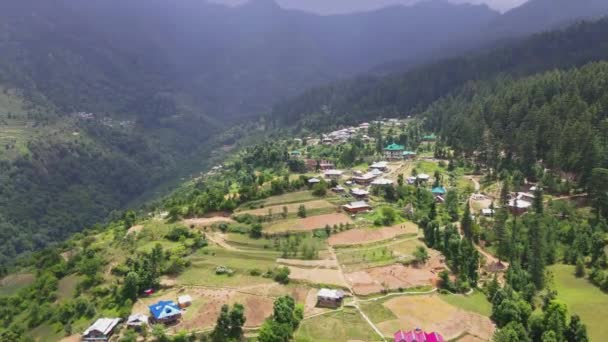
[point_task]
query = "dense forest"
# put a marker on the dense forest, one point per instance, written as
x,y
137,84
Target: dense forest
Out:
x,y
411,92
559,118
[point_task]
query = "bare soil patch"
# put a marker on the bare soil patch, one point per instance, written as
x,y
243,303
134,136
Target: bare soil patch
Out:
x,y
207,221
135,229
431,313
317,276
291,208
375,280
325,263
370,235
71,338
309,223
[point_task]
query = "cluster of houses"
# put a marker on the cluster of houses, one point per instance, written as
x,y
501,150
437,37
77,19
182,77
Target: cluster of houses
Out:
x,y
164,312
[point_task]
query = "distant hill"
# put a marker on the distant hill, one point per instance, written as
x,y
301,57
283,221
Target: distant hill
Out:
x,y
412,91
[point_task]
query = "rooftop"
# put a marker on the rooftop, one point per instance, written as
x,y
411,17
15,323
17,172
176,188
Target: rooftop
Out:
x,y
328,293
103,325
356,205
164,309
394,147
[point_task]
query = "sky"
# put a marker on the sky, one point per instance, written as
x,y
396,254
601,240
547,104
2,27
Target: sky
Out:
x,y
347,6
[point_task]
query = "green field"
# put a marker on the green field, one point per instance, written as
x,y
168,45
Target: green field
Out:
x,y
292,197
584,299
475,302
67,287
13,283
379,254
343,325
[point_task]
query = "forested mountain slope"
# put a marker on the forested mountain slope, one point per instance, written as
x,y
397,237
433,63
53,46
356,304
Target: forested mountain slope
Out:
x,y
410,92
102,101
558,117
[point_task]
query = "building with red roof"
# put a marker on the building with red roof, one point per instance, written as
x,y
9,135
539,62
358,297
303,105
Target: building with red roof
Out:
x,y
417,336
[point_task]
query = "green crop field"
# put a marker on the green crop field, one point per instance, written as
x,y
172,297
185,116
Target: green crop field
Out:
x,y
343,325
475,302
584,299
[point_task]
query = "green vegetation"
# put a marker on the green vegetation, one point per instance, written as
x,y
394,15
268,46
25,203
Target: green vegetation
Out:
x,y
344,325
475,302
583,299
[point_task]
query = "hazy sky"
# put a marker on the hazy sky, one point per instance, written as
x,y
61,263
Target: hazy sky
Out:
x,y
345,6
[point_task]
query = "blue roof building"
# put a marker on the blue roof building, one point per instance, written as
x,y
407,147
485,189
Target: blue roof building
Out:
x,y
165,310
439,190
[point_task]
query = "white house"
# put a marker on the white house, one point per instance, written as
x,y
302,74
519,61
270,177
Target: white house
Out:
x,y
101,330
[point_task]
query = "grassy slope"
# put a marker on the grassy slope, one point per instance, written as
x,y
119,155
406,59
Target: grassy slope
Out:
x,y
476,302
584,299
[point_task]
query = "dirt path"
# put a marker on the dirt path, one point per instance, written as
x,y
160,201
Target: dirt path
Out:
x,y
219,240
475,183
355,303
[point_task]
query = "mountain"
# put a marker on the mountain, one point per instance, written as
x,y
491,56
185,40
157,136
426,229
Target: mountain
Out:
x,y
543,15
367,97
101,102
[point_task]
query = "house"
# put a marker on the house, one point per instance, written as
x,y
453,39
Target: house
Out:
x,y
184,301
394,151
329,298
411,180
382,166
365,179
338,189
519,207
295,154
364,125
526,196
314,181
333,174
430,137
326,165
376,172
327,141
417,335
409,154
101,330
165,311
382,182
312,141
439,191
149,292
298,141
359,193
439,199
423,177
487,212
357,207
137,321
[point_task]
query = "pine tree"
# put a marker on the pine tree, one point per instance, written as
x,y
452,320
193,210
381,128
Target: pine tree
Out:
x,y
466,224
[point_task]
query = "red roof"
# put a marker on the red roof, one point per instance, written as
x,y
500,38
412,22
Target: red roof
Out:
x,y
417,336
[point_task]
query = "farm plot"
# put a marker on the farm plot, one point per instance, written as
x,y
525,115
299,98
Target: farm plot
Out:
x,y
431,313
371,235
308,223
394,277
292,197
399,250
291,208
322,276
345,325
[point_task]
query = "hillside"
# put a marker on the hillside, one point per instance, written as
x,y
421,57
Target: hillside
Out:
x,y
257,237
368,97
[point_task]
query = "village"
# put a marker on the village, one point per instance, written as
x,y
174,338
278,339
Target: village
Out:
x,y
360,266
